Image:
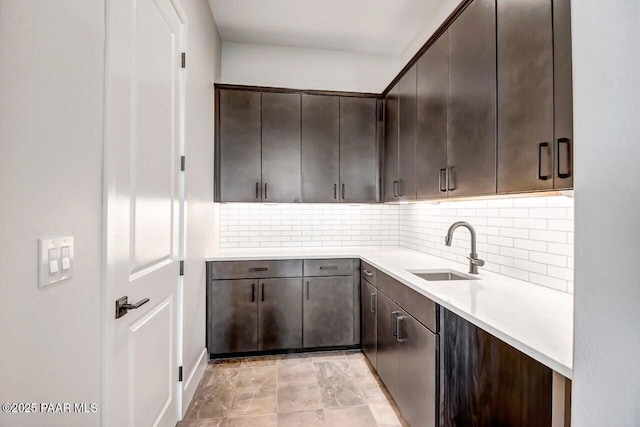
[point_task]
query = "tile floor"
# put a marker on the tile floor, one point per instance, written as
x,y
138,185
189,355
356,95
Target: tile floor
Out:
x,y
329,389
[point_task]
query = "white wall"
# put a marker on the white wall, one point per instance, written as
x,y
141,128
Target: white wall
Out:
x,y
51,117
203,69
300,68
606,52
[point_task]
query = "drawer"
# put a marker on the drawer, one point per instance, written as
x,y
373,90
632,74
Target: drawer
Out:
x,y
328,267
254,269
368,273
417,305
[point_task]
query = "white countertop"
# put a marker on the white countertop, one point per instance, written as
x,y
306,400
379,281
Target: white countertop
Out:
x,y
536,320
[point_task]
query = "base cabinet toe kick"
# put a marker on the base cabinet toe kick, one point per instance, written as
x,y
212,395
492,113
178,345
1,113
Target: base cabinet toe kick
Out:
x,y
444,371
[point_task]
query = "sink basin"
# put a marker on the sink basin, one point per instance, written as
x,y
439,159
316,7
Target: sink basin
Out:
x,y
442,275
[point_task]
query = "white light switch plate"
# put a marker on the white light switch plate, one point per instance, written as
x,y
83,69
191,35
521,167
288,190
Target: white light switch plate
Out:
x,y
53,270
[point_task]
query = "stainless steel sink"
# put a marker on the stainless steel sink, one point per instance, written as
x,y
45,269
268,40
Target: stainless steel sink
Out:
x,y
442,275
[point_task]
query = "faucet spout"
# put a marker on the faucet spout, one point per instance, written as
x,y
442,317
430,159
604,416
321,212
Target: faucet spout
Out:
x,y
474,261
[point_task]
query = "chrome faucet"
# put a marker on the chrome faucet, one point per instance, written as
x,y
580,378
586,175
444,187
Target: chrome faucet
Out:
x,y
474,261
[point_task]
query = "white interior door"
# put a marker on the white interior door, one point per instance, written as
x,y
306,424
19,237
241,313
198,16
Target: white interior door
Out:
x,y
143,142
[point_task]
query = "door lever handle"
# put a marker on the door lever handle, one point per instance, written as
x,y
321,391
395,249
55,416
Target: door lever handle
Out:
x,y
123,306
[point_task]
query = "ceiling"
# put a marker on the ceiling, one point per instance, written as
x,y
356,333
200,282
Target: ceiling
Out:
x,y
364,26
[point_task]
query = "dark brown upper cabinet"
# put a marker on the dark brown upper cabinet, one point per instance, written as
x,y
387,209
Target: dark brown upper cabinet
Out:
x,y
563,95
407,136
471,130
359,158
281,147
525,96
320,148
239,146
391,145
432,100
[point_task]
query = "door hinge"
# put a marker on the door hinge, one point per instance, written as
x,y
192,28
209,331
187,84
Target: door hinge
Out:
x,y
180,374
183,161
184,60
182,268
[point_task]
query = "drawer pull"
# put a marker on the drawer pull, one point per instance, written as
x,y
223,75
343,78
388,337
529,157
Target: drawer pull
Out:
x,y
368,273
328,267
253,269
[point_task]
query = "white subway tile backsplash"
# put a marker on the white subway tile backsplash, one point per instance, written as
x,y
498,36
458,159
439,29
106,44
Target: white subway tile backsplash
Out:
x,y
528,238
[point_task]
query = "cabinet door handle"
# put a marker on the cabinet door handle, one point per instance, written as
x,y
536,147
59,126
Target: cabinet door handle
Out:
x,y
262,289
540,147
399,338
443,172
342,191
372,302
368,273
395,188
307,290
449,180
253,292
567,174
394,325
257,190
335,191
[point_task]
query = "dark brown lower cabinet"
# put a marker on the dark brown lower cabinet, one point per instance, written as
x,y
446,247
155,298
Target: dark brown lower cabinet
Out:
x,y
368,308
485,382
279,313
233,326
406,362
328,311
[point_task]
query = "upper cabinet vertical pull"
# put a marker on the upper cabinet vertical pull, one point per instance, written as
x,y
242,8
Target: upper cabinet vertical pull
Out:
x,y
307,290
265,190
335,191
566,174
395,188
342,191
442,177
257,190
540,147
451,183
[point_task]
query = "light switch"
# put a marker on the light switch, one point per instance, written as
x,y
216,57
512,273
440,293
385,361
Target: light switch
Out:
x,y
65,257
56,260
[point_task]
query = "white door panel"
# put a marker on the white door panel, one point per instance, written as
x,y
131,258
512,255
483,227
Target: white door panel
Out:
x,y
143,141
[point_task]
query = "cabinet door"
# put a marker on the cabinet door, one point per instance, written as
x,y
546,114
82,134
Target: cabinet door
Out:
x,y
563,95
432,100
239,146
391,145
525,95
471,132
320,148
417,354
387,352
368,308
358,150
407,135
280,314
281,150
486,382
328,311
232,316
